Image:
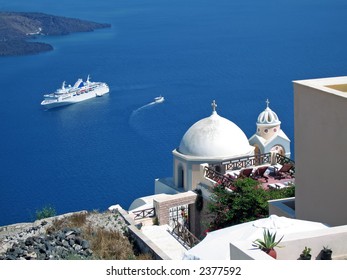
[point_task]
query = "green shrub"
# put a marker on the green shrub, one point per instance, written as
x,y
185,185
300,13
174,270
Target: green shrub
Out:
x,y
247,202
45,212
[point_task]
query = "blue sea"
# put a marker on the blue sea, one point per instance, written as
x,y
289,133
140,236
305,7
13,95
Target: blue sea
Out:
x,y
110,150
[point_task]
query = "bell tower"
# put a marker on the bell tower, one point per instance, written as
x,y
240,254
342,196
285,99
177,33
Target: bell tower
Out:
x,y
269,136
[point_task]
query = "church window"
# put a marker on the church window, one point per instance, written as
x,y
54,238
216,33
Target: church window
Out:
x,y
278,149
180,177
256,150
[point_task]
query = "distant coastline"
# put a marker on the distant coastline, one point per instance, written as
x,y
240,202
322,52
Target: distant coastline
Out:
x,y
17,27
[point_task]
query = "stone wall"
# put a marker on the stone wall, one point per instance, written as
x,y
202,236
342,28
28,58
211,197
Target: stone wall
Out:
x,y
144,244
162,205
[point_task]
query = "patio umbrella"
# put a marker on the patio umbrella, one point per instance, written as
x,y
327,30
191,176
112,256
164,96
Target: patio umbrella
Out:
x,y
215,246
274,223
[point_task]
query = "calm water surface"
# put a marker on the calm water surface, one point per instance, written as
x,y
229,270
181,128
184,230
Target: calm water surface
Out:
x,y
109,150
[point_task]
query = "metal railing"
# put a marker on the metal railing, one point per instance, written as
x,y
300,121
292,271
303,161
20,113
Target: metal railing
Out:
x,y
184,235
243,162
282,160
145,213
218,177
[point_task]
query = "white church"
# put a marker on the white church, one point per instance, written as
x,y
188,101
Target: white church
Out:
x,y
213,143
216,140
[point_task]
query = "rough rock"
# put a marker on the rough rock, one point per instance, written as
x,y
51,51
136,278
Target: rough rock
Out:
x,y
32,241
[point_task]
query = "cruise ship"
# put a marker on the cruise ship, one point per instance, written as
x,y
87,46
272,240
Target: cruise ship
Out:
x,y
81,91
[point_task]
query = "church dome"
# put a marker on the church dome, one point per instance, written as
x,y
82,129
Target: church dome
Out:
x,y
215,136
268,117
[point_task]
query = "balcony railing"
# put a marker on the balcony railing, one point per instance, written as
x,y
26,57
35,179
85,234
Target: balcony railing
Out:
x,y
243,162
146,213
184,235
218,177
282,160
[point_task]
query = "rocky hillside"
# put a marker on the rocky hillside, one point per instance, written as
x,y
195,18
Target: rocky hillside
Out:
x,y
16,28
79,235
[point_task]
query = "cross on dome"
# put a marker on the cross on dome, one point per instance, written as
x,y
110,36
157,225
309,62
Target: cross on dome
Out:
x,y
268,117
267,102
214,106
215,137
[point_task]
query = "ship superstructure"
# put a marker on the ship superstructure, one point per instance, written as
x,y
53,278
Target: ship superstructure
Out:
x,y
80,91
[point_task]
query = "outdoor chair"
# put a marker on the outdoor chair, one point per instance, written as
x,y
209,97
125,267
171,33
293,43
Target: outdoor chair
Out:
x,y
284,171
245,173
232,177
259,173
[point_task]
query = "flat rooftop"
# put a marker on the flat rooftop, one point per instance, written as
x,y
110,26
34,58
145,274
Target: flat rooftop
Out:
x,y
334,85
339,87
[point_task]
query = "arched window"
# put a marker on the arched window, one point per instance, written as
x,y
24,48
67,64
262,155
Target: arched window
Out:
x,y
257,153
256,150
180,176
278,149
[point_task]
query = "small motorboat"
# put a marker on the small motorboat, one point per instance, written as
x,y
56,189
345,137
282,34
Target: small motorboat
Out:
x,y
159,99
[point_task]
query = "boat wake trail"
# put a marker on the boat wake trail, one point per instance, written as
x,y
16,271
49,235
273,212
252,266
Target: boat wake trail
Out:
x,y
140,121
143,107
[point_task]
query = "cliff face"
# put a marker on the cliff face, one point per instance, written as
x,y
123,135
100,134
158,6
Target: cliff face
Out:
x,y
16,27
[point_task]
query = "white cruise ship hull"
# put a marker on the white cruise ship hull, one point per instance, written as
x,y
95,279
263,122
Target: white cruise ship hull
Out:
x,y
53,100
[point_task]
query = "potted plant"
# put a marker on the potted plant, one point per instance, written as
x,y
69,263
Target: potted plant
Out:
x,y
306,254
325,253
268,243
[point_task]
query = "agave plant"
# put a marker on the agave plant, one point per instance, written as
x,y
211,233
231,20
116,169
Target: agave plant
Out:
x,y
326,253
268,242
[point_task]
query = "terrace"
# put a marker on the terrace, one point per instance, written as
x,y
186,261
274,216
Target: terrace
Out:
x,y
270,170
